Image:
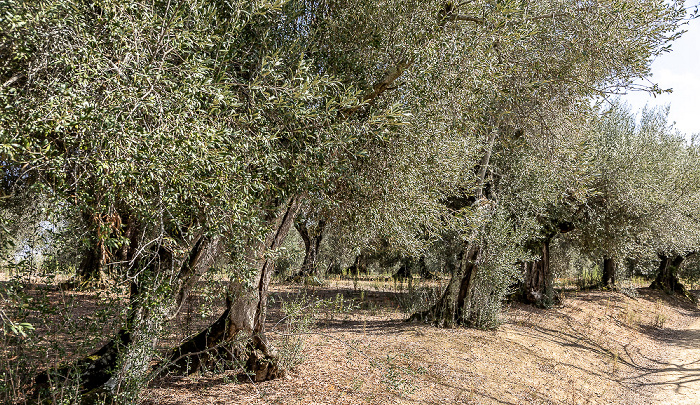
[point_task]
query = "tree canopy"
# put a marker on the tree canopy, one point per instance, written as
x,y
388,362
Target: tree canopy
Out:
x,y
172,136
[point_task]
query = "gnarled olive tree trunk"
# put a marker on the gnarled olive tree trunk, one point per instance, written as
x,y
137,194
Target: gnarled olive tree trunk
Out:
x,y
359,266
312,237
159,286
452,307
667,277
238,335
537,284
410,265
120,368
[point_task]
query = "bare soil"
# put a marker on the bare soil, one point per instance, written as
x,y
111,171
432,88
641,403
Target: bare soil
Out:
x,y
596,348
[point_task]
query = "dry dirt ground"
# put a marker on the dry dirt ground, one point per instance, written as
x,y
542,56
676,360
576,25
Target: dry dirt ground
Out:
x,y
679,380
595,348
598,347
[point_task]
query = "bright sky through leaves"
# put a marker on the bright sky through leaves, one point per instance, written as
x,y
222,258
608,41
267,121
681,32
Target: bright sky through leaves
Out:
x,y
679,70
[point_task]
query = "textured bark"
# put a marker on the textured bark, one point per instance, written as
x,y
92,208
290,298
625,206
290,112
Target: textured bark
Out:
x,y
666,276
537,286
312,237
123,364
452,307
237,338
609,269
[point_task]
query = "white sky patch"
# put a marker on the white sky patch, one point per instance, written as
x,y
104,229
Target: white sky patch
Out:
x,y
679,70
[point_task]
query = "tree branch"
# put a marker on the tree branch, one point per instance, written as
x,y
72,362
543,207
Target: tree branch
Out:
x,y
13,79
382,85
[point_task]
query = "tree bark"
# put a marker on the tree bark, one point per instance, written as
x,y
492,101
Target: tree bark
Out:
x,y
453,307
404,270
312,237
537,287
91,269
667,278
158,290
237,338
609,269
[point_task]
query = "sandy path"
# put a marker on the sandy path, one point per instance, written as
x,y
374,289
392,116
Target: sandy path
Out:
x,y
679,378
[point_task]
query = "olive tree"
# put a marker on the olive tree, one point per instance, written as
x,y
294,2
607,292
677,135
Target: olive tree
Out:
x,y
547,58
184,133
644,194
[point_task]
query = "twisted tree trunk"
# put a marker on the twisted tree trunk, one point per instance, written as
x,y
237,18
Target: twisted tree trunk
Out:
x,y
409,266
98,266
158,290
359,266
118,370
312,237
453,306
237,338
537,285
666,276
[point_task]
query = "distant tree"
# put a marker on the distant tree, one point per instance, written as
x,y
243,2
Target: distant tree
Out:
x,y
644,191
546,60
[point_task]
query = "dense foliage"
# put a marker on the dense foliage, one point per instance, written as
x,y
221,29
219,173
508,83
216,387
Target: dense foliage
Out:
x,y
149,142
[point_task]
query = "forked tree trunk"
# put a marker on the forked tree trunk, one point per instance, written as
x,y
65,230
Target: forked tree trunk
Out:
x,y
667,277
537,285
609,269
238,338
453,307
312,237
118,370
